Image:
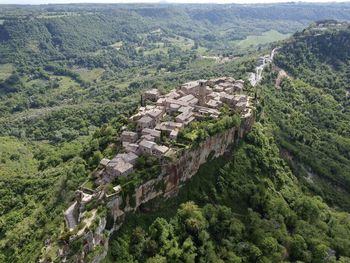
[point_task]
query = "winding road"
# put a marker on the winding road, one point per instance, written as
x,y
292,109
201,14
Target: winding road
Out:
x,y
256,77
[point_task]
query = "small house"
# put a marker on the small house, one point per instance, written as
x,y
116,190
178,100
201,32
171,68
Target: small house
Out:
x,y
184,116
146,147
151,95
156,114
173,134
117,189
152,132
132,147
159,150
129,157
145,122
129,136
123,168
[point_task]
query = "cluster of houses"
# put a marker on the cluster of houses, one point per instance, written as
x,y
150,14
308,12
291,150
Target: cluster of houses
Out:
x,y
165,114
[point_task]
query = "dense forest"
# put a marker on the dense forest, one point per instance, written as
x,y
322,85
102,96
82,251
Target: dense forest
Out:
x,y
268,203
70,75
316,109
252,209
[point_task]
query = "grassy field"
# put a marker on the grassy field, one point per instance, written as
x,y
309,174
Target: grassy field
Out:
x,y
182,42
89,74
265,38
16,157
5,70
202,51
157,50
67,87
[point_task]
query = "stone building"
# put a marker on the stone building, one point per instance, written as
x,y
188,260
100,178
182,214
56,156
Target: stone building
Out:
x,y
129,136
146,147
145,122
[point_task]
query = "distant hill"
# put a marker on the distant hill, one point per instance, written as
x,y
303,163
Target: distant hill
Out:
x,y
68,31
320,54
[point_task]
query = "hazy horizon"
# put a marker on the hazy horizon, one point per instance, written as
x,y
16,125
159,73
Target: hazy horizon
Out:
x,y
43,2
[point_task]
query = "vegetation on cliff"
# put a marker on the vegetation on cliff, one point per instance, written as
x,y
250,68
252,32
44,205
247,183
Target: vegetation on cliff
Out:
x,y
69,74
200,130
284,194
255,211
312,110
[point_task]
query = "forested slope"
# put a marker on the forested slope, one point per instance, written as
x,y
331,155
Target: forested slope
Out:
x,y
284,193
71,74
57,147
315,124
64,32
320,55
252,209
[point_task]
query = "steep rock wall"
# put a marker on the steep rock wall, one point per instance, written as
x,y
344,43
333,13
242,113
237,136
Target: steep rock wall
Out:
x,y
187,164
176,173
173,175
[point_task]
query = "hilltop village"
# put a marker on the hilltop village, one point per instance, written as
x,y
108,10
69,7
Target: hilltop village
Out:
x,y
165,115
161,117
156,131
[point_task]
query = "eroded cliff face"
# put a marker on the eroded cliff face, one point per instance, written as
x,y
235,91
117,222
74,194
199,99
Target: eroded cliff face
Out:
x,y
173,175
176,173
189,162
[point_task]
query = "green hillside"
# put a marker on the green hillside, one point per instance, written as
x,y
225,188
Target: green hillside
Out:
x,y
70,76
315,128
283,196
252,209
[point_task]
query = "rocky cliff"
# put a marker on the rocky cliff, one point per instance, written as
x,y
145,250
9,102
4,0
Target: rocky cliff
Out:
x,y
174,173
